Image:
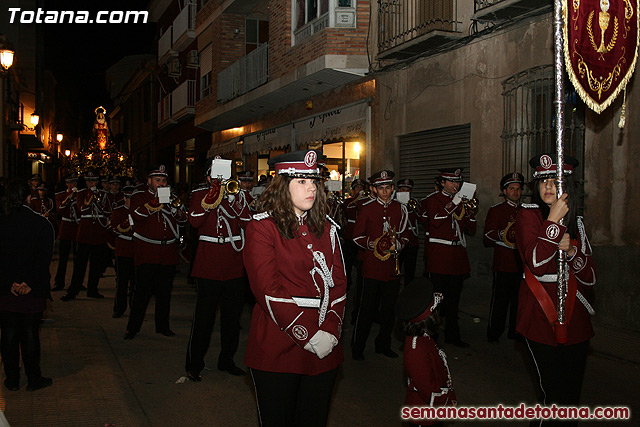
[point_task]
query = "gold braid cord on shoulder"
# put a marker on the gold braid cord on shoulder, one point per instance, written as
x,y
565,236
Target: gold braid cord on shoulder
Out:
x,y
153,209
217,200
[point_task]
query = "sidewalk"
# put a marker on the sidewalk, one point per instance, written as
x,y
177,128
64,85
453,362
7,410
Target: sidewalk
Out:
x,y
101,380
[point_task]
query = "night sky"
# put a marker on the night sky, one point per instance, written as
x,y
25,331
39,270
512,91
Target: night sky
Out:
x,y
79,54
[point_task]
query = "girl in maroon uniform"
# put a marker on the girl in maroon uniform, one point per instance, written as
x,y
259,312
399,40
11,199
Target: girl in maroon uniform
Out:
x,y
294,263
559,351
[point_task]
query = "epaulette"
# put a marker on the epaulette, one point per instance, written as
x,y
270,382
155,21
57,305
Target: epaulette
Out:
x,y
365,203
260,216
529,205
497,204
201,186
60,192
332,221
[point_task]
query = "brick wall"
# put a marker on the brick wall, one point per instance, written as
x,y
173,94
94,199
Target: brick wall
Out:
x,y
283,57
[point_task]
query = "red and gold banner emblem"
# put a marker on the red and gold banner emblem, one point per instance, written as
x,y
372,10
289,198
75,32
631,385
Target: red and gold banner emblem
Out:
x,y
600,47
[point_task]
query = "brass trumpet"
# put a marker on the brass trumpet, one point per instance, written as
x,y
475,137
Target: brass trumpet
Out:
x,y
231,186
175,201
470,204
413,204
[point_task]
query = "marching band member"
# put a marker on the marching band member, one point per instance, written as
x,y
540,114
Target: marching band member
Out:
x,y
245,178
34,182
67,209
447,260
350,213
220,220
45,206
94,210
409,255
122,228
155,249
428,376
558,350
499,233
295,268
381,226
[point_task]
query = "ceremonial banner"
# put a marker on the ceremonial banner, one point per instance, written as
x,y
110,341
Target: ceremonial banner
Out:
x,y
600,47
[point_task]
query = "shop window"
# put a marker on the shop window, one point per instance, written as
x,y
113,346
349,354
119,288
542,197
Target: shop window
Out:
x,y
344,161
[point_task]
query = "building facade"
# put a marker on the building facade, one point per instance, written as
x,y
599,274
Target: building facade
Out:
x,y
278,76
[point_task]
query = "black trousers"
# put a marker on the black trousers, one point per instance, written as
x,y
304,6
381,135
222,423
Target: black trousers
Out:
x,y
451,287
504,298
288,400
229,297
20,334
560,369
125,283
152,279
94,255
408,260
375,294
358,291
350,256
65,248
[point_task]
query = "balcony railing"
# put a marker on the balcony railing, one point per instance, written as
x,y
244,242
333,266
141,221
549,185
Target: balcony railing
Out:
x,y
183,100
245,74
405,21
495,11
164,46
184,27
164,112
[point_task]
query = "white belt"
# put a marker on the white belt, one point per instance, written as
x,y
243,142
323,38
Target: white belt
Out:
x,y
92,216
220,240
547,278
445,242
68,219
124,237
307,302
153,241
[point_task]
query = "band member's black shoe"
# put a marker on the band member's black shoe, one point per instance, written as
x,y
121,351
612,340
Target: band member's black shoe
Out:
x,y
129,335
167,333
67,297
194,376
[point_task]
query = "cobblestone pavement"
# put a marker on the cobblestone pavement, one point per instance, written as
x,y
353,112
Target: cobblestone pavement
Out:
x,y
101,380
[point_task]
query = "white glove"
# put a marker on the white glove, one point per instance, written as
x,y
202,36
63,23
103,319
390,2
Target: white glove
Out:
x,y
321,344
457,199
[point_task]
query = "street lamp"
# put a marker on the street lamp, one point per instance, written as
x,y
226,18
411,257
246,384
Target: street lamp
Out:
x,y
67,153
6,54
59,137
35,119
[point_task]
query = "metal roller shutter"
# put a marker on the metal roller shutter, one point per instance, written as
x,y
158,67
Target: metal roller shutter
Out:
x,y
423,153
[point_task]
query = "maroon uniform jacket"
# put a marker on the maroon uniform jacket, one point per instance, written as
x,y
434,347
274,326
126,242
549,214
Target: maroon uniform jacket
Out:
x,y
350,211
122,230
428,377
412,226
505,258
221,236
374,218
94,210
300,288
538,244
424,218
67,209
446,251
155,228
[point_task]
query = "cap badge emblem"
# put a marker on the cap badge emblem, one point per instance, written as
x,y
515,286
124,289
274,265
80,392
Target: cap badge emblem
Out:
x,y
545,161
383,175
310,158
162,169
458,172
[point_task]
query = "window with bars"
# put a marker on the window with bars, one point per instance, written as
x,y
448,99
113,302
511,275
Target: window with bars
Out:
x,y
529,121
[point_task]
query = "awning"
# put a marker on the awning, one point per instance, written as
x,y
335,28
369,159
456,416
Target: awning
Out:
x,y
341,123
268,139
230,146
